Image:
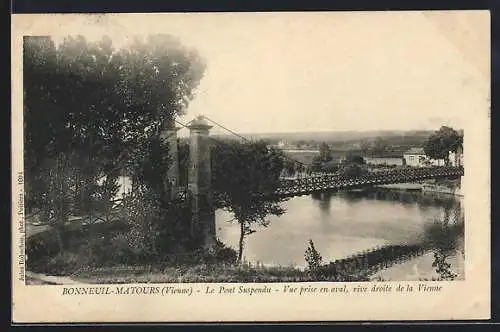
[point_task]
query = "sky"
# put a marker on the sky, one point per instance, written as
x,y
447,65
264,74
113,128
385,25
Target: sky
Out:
x,y
293,72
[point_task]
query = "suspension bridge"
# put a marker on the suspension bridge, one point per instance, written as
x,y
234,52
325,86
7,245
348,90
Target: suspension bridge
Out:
x,y
314,183
334,182
203,200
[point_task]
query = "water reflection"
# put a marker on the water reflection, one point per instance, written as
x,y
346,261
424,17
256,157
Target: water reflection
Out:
x,y
345,223
404,197
324,200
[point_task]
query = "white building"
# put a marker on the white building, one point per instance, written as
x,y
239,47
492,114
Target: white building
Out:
x,y
384,161
416,157
282,144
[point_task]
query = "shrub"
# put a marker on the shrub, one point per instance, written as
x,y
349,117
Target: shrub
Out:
x,y
442,267
121,251
63,264
220,253
91,243
313,258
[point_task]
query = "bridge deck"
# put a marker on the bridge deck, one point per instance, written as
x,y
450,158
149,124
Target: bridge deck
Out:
x,y
332,182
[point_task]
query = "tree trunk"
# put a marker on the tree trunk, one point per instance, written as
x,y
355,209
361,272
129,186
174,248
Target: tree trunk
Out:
x,y
242,238
60,241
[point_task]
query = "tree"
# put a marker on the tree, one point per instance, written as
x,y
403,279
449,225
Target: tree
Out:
x,y
379,146
57,203
325,153
316,165
290,168
443,268
365,146
105,197
312,257
241,172
330,167
352,170
354,158
101,107
441,142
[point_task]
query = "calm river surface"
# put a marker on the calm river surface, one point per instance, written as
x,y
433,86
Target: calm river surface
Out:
x,y
343,224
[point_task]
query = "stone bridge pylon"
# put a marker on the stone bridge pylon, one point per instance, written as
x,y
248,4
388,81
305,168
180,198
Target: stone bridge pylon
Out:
x,y
199,177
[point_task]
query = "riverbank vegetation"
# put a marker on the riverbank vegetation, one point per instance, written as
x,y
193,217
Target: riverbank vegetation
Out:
x,y
98,258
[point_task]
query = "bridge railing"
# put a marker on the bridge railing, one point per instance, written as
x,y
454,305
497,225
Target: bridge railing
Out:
x,y
337,181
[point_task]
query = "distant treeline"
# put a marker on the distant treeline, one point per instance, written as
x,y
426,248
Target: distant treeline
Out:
x,y
390,144
339,136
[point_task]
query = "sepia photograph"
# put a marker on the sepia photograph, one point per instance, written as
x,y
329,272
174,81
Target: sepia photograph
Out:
x,y
251,153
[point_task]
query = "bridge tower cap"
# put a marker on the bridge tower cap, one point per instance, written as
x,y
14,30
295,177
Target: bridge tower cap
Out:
x,y
199,123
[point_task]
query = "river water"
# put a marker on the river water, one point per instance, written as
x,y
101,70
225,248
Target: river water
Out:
x,y
343,224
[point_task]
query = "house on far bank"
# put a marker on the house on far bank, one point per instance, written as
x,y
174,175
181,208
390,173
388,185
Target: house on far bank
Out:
x,y
385,161
456,158
416,157
282,144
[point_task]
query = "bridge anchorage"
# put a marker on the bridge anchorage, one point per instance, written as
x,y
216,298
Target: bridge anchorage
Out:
x,y
202,199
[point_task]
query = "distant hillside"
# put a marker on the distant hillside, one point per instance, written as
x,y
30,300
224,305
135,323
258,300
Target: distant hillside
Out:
x,y
336,136
394,142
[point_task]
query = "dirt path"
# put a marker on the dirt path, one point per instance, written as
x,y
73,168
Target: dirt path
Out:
x,y
42,279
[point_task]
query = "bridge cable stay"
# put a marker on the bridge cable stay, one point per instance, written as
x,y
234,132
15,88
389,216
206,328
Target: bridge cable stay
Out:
x,y
227,129
210,137
220,142
246,139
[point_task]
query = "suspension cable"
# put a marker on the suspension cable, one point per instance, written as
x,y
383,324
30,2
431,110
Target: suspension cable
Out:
x,y
229,130
246,139
210,137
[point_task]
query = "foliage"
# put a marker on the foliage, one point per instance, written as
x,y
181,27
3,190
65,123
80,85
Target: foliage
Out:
x,y
442,267
193,273
290,167
364,146
316,164
102,108
352,170
312,257
379,146
89,244
105,195
444,237
109,245
325,154
63,264
155,229
330,167
353,158
56,207
241,172
219,253
441,142
149,167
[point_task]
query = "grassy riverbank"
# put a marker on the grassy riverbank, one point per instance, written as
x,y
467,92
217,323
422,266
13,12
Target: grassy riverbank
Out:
x,y
356,268
99,254
197,273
